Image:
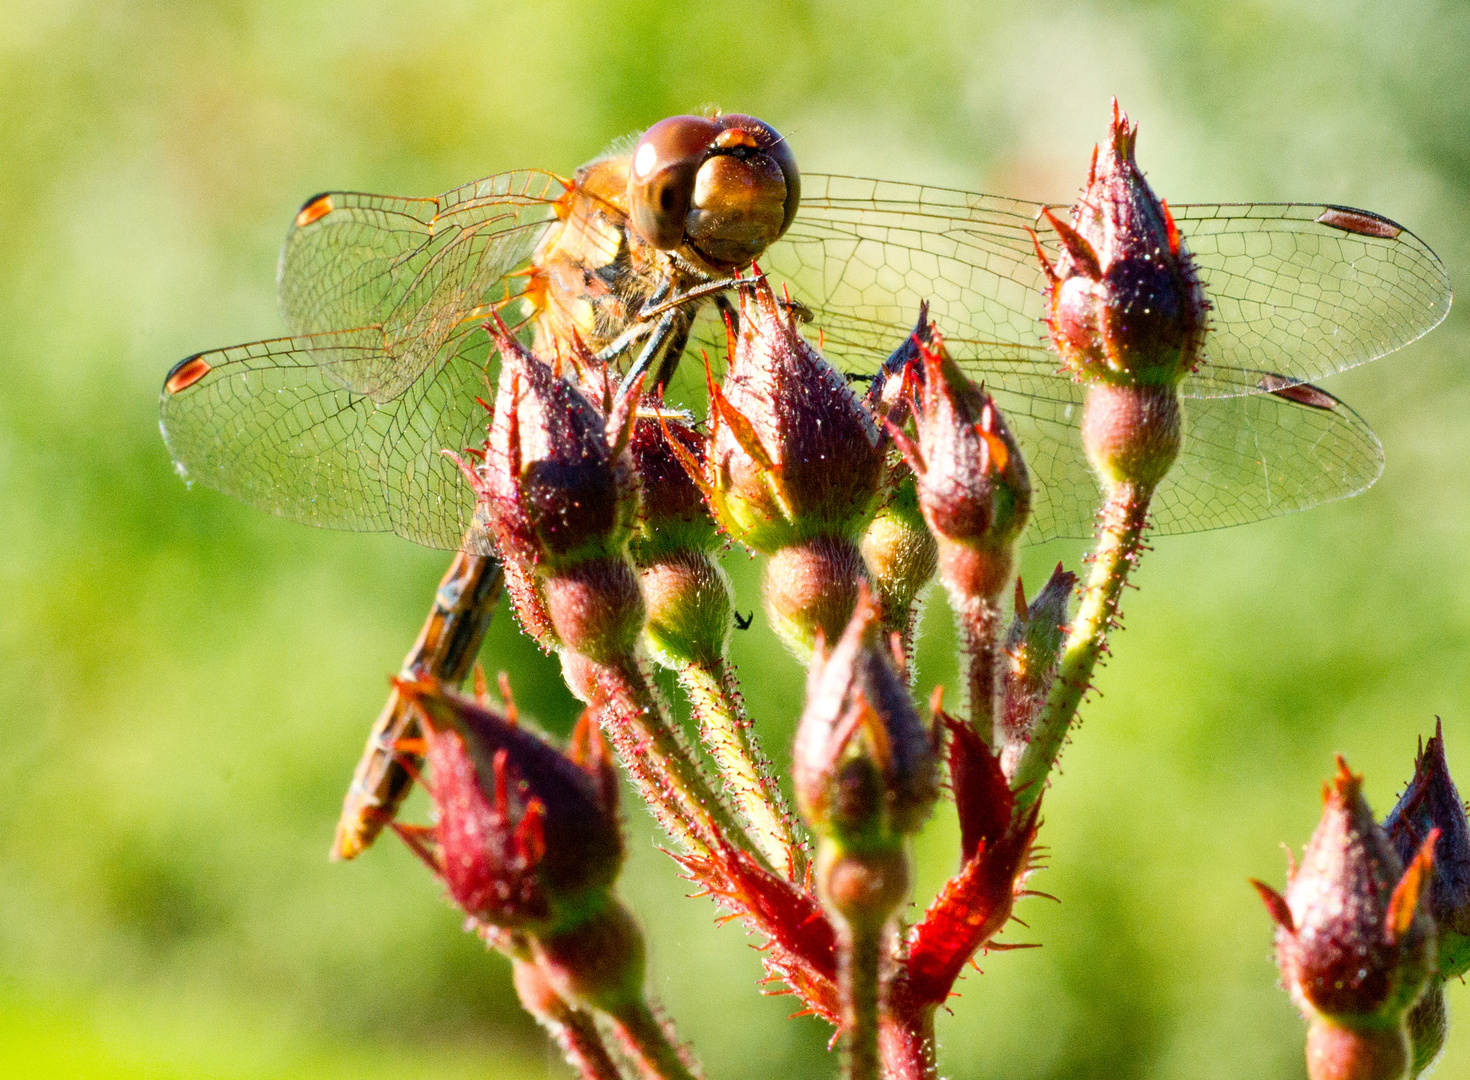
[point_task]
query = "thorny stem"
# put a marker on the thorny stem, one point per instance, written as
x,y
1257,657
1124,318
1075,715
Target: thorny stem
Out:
x,y
907,1044
981,628
1120,538
648,1042
714,696
858,976
661,764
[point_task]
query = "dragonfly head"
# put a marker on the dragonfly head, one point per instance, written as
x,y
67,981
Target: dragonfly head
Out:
x,y
726,187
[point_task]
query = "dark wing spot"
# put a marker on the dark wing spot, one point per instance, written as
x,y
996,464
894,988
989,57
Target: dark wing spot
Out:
x,y
1359,221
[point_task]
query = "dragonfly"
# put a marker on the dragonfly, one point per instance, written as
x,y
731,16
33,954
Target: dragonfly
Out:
x,y
341,423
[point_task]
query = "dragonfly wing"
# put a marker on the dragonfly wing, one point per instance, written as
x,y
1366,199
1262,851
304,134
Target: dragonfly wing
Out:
x,y
870,251
1261,455
1306,291
414,268
276,425
1244,458
1302,290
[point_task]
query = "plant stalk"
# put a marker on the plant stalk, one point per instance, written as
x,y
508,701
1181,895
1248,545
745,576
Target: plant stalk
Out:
x,y
648,1043
661,764
906,1041
1120,539
748,776
859,978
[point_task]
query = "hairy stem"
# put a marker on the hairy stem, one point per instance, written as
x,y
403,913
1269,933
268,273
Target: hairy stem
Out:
x,y
660,762
980,627
1120,538
907,1044
649,1043
572,1029
748,776
859,971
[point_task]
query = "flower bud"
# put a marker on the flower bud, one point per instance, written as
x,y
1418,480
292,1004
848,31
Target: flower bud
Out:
x,y
1353,947
1124,304
793,453
1033,647
865,766
1126,313
900,554
1431,802
557,486
528,836
684,589
672,512
559,495
972,483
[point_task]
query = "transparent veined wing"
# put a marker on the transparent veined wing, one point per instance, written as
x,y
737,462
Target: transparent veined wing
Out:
x,y
412,268
267,424
1301,290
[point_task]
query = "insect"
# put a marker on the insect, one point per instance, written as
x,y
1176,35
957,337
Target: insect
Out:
x,y
341,423
742,622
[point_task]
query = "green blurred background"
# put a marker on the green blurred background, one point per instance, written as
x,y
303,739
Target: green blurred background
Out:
x,y
189,682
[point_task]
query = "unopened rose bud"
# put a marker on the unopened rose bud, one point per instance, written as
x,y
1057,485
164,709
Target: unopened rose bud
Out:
x,y
973,487
684,589
1352,944
560,497
1124,304
1432,802
901,555
865,766
528,837
794,469
793,452
1126,313
1033,647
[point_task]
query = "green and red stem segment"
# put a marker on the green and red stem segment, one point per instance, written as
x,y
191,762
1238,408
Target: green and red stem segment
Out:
x,y
662,765
748,777
1124,517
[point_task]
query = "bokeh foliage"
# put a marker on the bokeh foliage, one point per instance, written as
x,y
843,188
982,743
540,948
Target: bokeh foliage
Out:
x,y
189,682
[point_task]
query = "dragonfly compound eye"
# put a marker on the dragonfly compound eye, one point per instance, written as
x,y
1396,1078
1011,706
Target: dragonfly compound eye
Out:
x,y
661,180
727,187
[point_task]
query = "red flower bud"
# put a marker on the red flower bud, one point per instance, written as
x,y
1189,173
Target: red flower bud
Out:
x,y
1124,304
526,834
973,487
865,766
672,512
1353,946
1033,648
684,589
560,497
1432,802
793,453
555,482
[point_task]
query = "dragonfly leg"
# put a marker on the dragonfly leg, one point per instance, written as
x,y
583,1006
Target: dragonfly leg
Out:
x,y
660,334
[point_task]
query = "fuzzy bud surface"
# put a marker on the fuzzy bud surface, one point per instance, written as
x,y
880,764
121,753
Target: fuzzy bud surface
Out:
x,y
1431,801
1353,946
528,836
865,766
793,453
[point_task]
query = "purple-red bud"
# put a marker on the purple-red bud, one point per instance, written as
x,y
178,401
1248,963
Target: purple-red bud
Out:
x,y
556,486
1124,304
973,487
1033,648
672,512
1432,802
1353,946
528,836
865,766
793,454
